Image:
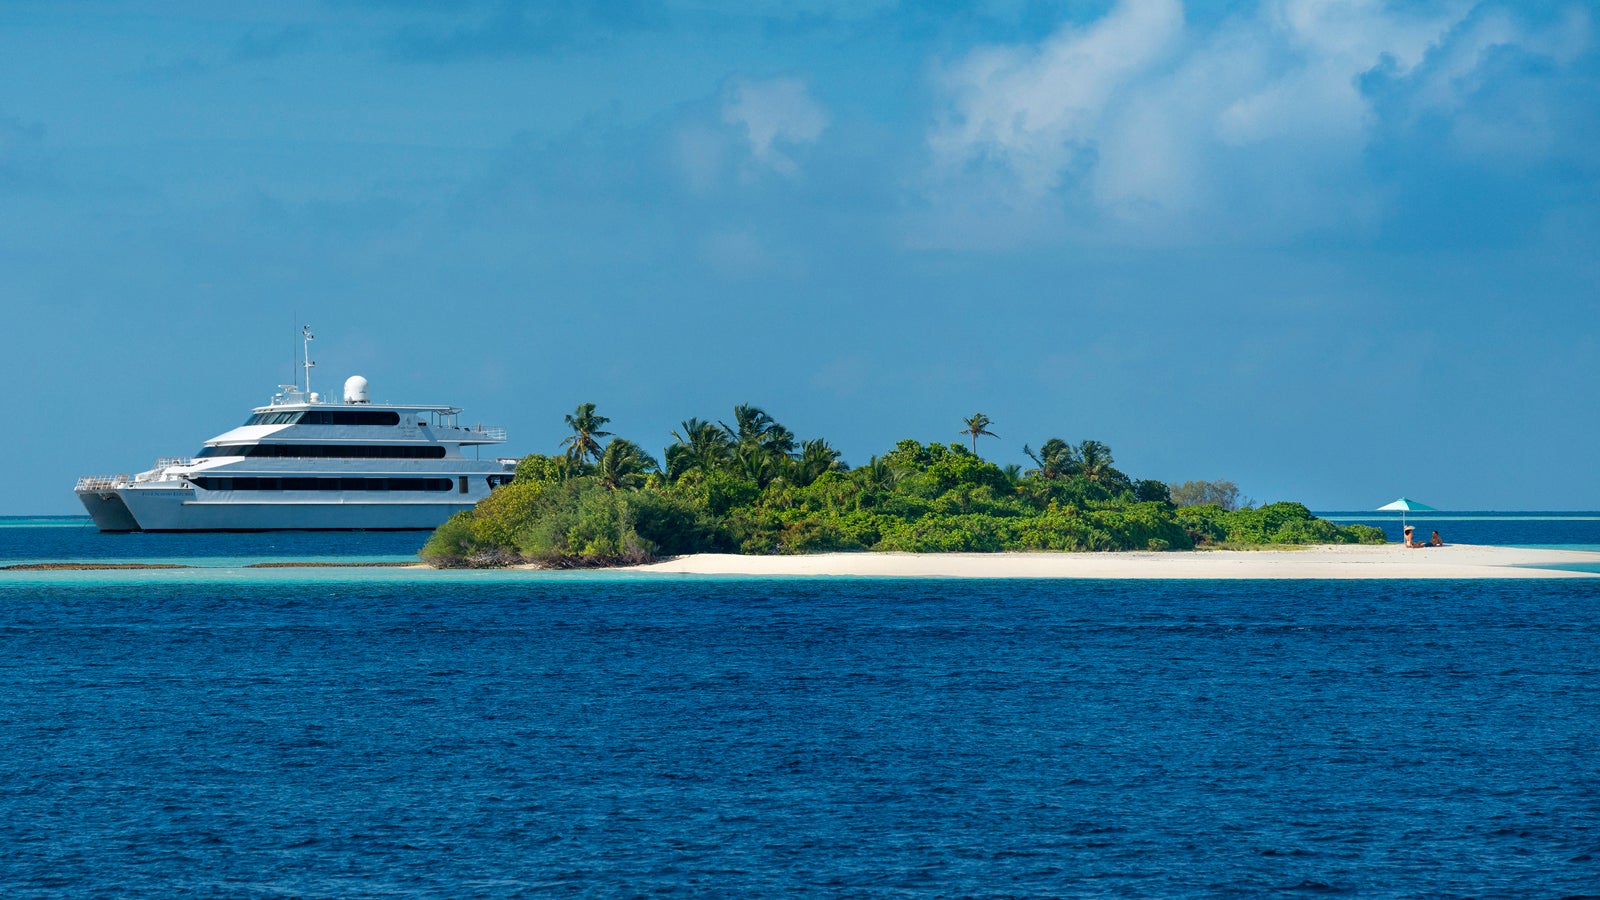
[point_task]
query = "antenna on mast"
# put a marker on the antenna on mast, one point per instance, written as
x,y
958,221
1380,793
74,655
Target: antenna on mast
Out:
x,y
309,337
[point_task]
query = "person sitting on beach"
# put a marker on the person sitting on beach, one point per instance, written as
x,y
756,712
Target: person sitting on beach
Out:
x,y
1435,541
1411,540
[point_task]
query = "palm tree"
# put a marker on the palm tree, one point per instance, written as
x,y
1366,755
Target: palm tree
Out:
x,y
978,424
754,464
1056,459
816,457
699,445
675,461
748,424
585,440
778,441
623,464
754,428
1094,460
880,474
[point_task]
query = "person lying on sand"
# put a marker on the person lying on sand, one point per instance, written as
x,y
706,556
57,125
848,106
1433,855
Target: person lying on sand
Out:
x,y
1411,540
1435,541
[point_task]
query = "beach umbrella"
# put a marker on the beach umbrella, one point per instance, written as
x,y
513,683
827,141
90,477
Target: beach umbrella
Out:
x,y
1405,505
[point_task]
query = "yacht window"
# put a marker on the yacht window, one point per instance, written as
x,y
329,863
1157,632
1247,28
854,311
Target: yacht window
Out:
x,y
327,417
274,418
328,451
246,483
350,417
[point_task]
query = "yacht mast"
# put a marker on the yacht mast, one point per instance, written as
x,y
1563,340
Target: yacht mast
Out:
x,y
309,337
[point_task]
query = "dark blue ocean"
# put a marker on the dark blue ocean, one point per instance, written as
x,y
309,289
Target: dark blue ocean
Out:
x,y
274,733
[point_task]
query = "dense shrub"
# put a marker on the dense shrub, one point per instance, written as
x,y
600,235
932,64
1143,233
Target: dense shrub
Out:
x,y
674,525
1276,523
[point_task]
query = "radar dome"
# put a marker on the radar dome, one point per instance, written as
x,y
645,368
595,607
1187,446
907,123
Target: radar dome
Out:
x,y
355,389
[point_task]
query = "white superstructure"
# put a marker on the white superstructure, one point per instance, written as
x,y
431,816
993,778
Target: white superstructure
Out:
x,y
306,462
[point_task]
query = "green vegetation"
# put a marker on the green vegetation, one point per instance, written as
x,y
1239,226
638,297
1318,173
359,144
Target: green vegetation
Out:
x,y
751,487
1208,493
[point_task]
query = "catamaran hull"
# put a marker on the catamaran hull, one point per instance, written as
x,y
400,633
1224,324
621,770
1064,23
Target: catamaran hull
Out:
x,y
108,511
178,510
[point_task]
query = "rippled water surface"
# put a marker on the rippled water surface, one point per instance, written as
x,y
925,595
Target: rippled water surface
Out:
x,y
844,738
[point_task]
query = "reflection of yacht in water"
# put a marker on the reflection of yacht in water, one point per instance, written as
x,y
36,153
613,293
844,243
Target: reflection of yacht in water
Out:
x,y
305,462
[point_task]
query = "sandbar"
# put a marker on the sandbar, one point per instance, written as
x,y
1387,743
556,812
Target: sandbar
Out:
x,y
1313,562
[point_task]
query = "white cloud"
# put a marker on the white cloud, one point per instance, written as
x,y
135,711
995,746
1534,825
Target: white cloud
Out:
x,y
1033,108
1457,80
776,116
1143,121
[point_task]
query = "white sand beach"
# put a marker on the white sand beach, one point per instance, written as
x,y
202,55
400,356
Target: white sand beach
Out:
x,y
1328,561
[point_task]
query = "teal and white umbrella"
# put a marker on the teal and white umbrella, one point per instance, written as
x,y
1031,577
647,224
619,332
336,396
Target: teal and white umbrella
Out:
x,y
1405,505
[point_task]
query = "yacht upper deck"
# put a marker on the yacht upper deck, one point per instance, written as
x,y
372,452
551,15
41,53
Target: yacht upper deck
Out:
x,y
292,406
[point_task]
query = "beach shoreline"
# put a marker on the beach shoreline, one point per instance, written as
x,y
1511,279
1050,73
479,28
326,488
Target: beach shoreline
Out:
x,y
1336,562
1321,562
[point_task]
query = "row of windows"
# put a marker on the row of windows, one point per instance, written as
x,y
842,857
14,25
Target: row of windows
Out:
x,y
327,417
325,451
241,483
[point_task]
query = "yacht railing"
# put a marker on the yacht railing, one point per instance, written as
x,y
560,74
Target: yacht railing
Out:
x,y
492,432
123,479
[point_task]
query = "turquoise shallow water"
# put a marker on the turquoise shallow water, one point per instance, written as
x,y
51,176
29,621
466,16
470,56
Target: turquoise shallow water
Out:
x,y
26,540
224,558
1522,529
74,539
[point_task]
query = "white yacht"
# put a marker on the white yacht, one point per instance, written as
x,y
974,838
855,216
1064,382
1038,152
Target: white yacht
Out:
x,y
304,462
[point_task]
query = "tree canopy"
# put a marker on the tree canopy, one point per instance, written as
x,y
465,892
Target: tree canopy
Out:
x,y
749,486
1208,493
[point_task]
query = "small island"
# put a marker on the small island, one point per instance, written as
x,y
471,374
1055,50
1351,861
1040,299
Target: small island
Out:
x,y
750,487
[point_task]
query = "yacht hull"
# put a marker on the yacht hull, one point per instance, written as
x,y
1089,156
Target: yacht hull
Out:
x,y
175,510
108,511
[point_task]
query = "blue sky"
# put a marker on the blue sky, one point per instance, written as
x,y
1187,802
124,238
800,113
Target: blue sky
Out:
x,y
1336,252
